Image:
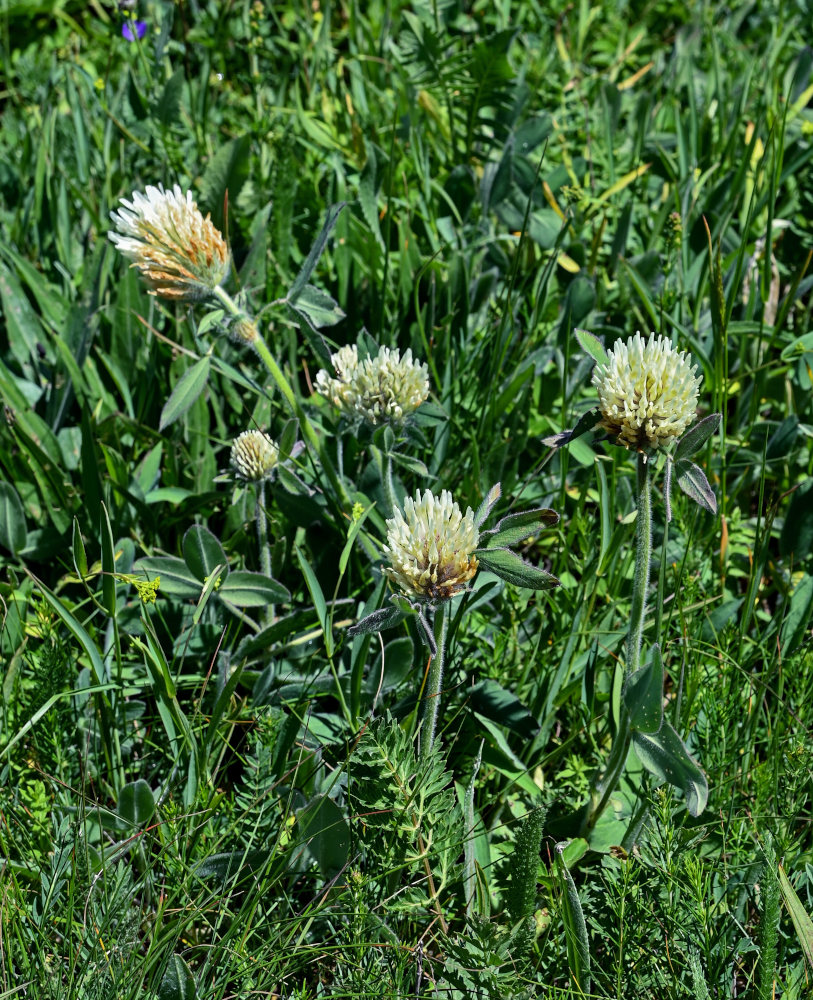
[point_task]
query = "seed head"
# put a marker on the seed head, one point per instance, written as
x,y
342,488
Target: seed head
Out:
x,y
430,547
180,254
647,392
386,387
254,456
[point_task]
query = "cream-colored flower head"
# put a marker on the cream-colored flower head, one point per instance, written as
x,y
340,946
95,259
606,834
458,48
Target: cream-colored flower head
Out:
x,y
430,546
180,254
254,456
386,387
647,392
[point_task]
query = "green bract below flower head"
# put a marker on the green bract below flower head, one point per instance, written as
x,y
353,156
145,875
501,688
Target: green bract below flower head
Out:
x,y
386,387
254,456
647,392
430,547
180,254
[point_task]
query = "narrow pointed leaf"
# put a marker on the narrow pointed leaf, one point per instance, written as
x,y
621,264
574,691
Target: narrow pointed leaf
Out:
x,y
578,944
692,480
510,567
591,345
802,923
190,385
13,533
316,250
694,439
484,509
378,621
586,422
515,528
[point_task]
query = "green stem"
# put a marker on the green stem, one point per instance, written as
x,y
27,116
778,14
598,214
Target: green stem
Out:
x,y
291,399
608,782
389,486
434,683
643,557
262,544
262,531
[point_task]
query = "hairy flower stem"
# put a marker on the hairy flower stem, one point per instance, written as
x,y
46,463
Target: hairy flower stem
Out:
x,y
291,399
619,750
643,557
434,684
262,544
390,487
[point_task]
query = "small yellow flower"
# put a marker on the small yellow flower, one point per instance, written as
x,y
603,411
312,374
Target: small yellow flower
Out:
x,y
180,254
386,387
647,392
254,456
430,546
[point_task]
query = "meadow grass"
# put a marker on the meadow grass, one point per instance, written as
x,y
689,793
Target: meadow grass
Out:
x,y
216,780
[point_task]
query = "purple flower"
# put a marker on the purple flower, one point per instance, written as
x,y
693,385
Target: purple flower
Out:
x,y
133,29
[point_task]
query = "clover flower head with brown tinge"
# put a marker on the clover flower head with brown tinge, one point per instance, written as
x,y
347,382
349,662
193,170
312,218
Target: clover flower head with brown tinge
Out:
x,y
386,387
647,392
430,547
254,456
180,254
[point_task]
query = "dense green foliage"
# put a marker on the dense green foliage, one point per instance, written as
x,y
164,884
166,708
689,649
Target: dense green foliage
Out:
x,y
207,788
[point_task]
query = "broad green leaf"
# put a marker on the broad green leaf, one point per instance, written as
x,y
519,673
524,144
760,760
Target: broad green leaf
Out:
x,y
499,754
692,480
643,694
490,699
319,308
797,615
136,802
326,833
398,663
176,578
178,983
226,865
796,539
664,754
252,590
13,531
782,440
168,107
224,177
510,567
591,345
202,552
694,439
190,385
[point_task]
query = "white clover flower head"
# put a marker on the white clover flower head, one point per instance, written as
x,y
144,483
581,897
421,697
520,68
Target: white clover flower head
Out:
x,y
386,387
180,254
254,456
430,547
647,392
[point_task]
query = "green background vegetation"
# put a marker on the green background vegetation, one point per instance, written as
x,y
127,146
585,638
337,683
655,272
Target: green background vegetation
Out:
x,y
195,802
